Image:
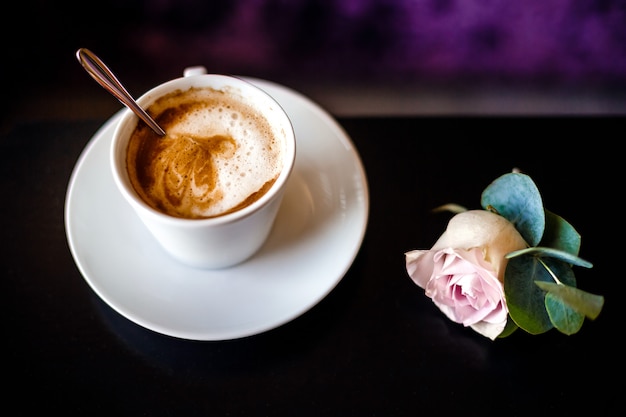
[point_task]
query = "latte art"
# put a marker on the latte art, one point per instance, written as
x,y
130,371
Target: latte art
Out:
x,y
218,155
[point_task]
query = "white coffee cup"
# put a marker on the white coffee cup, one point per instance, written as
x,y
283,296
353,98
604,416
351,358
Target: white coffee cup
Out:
x,y
227,239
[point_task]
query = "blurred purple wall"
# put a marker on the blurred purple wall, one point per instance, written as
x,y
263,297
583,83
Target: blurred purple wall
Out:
x,y
537,43
529,41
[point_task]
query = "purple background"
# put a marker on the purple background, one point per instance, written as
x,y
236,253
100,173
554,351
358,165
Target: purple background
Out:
x,y
386,46
538,41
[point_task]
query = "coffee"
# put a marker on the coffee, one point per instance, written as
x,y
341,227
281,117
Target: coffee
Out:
x,y
219,155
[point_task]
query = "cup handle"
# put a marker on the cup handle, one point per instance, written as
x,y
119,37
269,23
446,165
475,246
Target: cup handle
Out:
x,y
197,70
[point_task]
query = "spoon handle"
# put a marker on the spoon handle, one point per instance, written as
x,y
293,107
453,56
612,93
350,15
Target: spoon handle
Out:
x,y
103,75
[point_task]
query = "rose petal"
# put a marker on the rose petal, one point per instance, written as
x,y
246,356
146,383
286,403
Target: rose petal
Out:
x,y
464,270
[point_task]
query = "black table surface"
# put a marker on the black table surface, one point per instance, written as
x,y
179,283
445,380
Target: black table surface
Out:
x,y
376,345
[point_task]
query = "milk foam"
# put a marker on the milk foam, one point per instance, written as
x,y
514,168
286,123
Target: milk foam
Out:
x,y
219,155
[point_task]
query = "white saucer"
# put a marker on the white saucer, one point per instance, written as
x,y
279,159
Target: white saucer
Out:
x,y
318,233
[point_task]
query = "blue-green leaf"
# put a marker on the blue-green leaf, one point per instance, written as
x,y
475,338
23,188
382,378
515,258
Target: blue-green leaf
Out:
x,y
509,329
585,303
525,300
565,319
516,197
556,268
551,253
559,234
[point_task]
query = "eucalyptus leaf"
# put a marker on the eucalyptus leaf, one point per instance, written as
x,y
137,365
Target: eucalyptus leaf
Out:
x,y
516,197
509,329
565,319
541,251
525,300
559,234
555,268
583,302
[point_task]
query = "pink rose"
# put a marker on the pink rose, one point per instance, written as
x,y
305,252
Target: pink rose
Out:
x,y
463,272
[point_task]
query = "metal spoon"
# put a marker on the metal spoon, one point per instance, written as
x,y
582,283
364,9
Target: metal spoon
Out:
x,y
103,75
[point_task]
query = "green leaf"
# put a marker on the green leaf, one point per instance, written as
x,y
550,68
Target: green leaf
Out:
x,y
585,303
509,329
565,319
516,197
559,234
551,253
553,267
525,300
